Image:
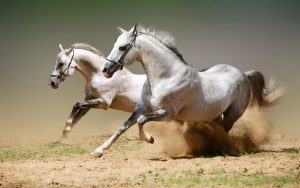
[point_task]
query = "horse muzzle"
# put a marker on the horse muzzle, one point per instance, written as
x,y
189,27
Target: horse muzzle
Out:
x,y
107,75
109,71
53,83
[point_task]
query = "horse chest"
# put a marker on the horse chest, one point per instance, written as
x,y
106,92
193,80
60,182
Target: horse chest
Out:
x,y
92,89
91,93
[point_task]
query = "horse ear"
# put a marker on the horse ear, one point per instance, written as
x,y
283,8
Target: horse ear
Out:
x,y
133,30
71,49
121,30
61,48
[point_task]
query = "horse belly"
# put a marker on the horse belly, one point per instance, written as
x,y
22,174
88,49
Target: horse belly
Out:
x,y
204,108
196,113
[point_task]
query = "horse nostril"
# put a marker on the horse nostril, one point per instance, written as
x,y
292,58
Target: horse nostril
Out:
x,y
52,84
104,70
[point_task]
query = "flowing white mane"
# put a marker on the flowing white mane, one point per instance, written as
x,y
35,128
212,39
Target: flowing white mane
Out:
x,y
164,38
87,47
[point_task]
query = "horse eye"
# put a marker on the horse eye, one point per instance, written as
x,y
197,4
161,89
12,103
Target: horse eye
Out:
x,y
60,64
123,48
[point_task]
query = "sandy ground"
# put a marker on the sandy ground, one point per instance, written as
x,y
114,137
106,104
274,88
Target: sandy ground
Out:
x,y
132,163
181,156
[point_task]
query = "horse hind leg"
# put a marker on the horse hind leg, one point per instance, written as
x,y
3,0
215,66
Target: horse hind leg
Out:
x,y
237,108
232,114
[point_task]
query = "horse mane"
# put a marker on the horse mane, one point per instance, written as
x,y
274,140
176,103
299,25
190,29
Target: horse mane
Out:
x,y
163,37
84,46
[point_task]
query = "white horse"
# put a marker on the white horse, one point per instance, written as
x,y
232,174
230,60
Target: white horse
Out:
x,y
121,92
174,90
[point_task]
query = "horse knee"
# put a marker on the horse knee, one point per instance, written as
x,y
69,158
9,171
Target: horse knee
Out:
x,y
141,120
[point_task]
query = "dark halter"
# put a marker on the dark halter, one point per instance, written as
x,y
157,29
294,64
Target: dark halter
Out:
x,y
61,76
119,63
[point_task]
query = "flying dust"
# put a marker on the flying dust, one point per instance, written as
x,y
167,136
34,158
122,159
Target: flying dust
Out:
x,y
247,134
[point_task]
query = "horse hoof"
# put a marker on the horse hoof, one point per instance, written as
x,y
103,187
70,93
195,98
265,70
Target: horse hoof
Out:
x,y
151,140
96,154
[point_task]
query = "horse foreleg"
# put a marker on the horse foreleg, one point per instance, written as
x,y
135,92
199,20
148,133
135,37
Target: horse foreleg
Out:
x,y
158,115
93,103
145,136
74,117
131,121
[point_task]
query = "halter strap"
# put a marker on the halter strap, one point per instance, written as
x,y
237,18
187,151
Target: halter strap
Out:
x,y
119,63
60,76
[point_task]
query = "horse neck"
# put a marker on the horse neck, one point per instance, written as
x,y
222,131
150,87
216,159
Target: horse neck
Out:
x,y
88,63
157,60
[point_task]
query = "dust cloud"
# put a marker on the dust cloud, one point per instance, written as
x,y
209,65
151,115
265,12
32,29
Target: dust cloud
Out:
x,y
247,134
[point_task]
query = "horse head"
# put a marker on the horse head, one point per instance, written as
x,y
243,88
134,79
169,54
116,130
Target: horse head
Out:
x,y
64,66
123,53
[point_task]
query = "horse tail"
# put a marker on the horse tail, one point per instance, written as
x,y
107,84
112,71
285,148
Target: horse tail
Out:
x,y
262,94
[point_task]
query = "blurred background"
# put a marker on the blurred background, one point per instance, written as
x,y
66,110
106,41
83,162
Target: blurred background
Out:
x,y
261,35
